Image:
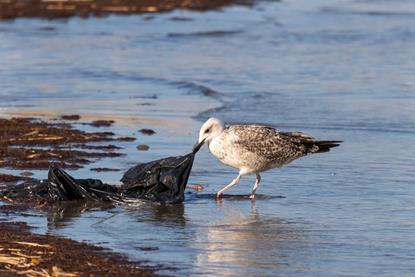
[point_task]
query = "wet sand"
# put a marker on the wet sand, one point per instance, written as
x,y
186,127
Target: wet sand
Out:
x,y
27,254
10,9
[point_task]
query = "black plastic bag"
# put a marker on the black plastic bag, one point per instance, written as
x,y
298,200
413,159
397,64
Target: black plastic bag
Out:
x,y
60,186
163,181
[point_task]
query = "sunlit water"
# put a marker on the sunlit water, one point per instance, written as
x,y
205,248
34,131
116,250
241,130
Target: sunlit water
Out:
x,y
336,69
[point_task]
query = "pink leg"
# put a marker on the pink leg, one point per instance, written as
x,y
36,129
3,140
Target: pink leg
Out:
x,y
234,182
257,180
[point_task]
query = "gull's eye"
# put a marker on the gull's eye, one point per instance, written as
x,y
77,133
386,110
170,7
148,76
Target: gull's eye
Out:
x,y
207,130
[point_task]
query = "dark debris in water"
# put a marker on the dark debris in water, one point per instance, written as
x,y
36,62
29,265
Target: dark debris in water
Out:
x,y
148,248
101,123
147,132
143,147
216,33
28,143
71,117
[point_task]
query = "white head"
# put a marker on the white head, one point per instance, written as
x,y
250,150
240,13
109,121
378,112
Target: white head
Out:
x,y
212,128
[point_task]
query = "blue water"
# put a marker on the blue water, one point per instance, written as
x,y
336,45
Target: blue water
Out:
x,y
336,69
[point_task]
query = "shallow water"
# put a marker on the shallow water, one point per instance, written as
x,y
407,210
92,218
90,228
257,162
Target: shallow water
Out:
x,y
336,69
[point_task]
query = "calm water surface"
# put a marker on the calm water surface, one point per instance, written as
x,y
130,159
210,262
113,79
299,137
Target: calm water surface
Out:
x,y
336,69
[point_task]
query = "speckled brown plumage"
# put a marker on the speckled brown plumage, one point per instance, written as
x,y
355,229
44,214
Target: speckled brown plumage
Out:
x,y
257,148
263,147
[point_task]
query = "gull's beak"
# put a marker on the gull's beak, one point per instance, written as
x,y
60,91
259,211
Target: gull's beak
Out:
x,y
198,145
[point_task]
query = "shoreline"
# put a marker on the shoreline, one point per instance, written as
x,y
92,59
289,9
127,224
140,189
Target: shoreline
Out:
x,y
52,9
125,125
23,252
18,259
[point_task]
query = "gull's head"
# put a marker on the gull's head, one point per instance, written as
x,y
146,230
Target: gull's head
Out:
x,y
212,128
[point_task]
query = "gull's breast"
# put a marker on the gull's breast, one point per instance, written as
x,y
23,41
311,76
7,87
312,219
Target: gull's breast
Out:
x,y
229,153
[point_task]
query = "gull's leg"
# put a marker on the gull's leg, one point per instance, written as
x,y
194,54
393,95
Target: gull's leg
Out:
x,y
257,180
234,182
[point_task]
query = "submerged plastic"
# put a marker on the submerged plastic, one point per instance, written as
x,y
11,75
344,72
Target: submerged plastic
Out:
x,y
162,180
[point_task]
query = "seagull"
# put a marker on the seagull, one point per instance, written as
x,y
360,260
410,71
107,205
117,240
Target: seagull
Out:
x,y
257,148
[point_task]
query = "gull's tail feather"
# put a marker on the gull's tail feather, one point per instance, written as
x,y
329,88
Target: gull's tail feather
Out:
x,y
309,144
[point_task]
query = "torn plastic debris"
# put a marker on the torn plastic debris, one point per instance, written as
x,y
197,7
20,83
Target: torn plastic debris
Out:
x,y
162,180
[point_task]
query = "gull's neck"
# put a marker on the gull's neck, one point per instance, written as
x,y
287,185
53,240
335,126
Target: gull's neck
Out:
x,y
215,136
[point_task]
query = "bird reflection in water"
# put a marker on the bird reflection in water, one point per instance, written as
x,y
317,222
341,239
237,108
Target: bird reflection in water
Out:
x,y
238,243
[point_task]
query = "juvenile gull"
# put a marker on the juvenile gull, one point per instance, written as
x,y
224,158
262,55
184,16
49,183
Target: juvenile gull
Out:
x,y
257,148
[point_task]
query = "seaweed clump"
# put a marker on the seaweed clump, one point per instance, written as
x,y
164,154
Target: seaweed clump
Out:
x,y
28,143
66,8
